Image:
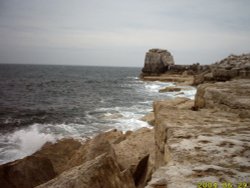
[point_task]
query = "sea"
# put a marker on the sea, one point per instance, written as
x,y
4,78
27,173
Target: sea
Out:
x,y
44,103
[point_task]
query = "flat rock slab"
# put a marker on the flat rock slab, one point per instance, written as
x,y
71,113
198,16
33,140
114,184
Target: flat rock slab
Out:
x,y
200,146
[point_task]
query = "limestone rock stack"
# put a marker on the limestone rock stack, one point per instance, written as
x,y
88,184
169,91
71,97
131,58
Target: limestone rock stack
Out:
x,y
157,61
161,61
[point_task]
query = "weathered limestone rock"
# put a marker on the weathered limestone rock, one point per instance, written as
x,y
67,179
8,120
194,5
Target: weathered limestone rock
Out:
x,y
170,89
59,153
157,61
208,145
162,154
231,67
200,78
95,147
231,96
136,153
100,172
160,61
26,173
126,150
53,159
150,118
180,80
185,69
175,89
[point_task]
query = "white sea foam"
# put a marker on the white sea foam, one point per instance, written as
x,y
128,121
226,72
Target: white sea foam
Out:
x,y
128,117
121,118
188,92
23,142
133,77
130,124
156,86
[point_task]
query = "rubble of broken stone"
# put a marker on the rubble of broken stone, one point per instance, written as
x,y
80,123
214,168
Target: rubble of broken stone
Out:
x,y
232,67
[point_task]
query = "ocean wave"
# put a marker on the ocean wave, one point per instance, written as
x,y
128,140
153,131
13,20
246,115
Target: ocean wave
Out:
x,y
23,142
156,86
121,118
187,93
133,77
130,124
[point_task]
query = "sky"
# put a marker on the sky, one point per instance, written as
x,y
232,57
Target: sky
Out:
x,y
119,33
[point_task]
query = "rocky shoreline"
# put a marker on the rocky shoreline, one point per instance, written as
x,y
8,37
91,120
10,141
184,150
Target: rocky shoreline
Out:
x,y
191,141
206,141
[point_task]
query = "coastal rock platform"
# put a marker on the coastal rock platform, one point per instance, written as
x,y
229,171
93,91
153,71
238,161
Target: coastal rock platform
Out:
x,y
194,146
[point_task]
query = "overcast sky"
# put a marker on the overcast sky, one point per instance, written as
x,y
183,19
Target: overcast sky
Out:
x,y
119,32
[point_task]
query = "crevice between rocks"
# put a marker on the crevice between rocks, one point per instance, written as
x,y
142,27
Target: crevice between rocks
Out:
x,y
141,171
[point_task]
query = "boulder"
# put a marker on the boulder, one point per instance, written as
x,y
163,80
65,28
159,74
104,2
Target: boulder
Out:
x,y
127,151
201,77
231,96
95,147
150,118
136,153
26,173
170,89
157,61
100,172
59,153
67,153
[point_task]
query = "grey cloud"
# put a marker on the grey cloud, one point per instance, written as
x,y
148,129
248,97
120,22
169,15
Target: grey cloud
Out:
x,y
120,32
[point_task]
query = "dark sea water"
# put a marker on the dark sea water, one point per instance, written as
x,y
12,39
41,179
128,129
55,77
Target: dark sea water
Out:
x,y
40,103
